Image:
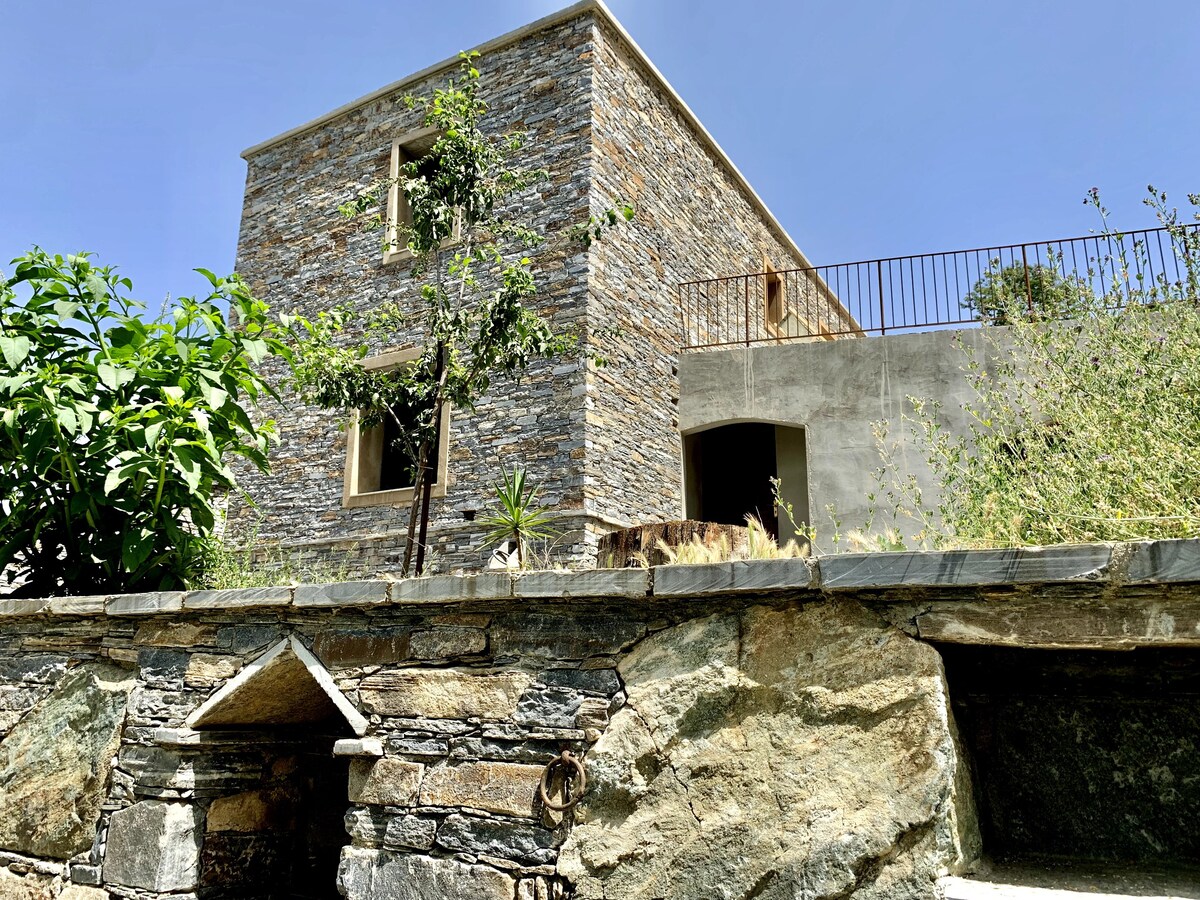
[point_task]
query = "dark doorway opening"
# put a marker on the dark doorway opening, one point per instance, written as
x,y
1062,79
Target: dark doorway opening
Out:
x,y
728,472
1087,760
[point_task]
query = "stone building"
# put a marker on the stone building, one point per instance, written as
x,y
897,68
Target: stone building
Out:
x,y
603,444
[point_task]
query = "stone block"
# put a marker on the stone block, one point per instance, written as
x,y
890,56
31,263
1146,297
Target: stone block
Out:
x,y
379,875
344,593
248,811
593,713
453,588
964,568
238,598
150,604
365,747
174,634
77,606
206,669
447,642
631,583
510,840
499,787
155,846
20,607
754,575
1165,562
591,681
407,744
77,892
55,763
411,832
345,648
444,693
558,636
552,707
385,782
366,826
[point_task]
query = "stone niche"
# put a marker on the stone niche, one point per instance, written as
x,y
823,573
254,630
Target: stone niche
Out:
x,y
1081,758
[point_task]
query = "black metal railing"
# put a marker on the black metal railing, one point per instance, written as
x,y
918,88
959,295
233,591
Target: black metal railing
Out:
x,y
939,290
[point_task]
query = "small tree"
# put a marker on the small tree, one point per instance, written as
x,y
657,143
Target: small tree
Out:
x,y
115,429
469,245
1006,293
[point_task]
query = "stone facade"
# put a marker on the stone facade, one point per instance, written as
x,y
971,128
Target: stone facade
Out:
x,y
772,729
602,443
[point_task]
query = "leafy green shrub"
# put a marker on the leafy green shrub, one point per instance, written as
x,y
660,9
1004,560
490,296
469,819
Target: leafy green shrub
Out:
x,y
115,429
1081,430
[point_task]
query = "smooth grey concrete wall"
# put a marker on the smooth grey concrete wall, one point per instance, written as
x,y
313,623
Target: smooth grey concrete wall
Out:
x,y
835,390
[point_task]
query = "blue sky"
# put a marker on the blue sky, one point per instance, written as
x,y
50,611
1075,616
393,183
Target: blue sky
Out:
x,y
870,128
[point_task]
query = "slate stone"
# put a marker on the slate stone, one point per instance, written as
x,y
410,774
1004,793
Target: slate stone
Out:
x,y
1164,562
591,681
361,647
366,825
55,763
238,598
379,875
411,832
77,606
418,745
533,751
965,568
384,782
499,787
163,666
247,638
149,604
758,575
444,693
447,642
631,583
38,668
551,708
508,840
559,636
346,593
452,588
155,846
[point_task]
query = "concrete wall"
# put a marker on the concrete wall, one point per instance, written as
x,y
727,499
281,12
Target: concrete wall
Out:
x,y
836,390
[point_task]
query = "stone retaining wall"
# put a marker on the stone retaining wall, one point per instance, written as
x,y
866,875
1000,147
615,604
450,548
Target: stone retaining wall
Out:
x,y
763,729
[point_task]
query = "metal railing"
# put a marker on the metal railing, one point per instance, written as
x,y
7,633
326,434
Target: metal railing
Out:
x,y
939,290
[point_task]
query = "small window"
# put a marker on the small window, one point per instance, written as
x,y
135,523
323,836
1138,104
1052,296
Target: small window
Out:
x,y
380,465
412,146
775,312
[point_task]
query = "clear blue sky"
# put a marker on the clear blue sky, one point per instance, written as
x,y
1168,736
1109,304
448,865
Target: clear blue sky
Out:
x,y
870,128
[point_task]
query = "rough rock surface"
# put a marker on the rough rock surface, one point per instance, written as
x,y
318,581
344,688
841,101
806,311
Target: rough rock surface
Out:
x,y
155,845
55,764
776,753
379,875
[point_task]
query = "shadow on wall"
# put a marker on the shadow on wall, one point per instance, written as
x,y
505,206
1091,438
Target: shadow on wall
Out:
x,y
728,471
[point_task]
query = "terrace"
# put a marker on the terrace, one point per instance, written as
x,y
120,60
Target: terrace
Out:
x,y
930,291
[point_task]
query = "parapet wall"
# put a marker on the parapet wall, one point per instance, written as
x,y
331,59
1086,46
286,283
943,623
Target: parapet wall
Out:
x,y
774,728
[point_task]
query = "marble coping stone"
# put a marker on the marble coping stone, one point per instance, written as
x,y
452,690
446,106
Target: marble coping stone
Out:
x,y
1147,562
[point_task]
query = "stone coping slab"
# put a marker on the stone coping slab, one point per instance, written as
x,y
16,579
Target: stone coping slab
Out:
x,y
1143,563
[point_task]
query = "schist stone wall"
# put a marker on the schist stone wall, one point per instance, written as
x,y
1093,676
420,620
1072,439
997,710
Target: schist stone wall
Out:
x,y
602,443
771,729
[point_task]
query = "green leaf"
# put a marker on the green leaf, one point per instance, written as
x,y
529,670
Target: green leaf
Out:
x,y
67,419
15,349
174,393
113,480
113,377
255,348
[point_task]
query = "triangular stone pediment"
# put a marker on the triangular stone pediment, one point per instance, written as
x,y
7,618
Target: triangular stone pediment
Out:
x,y
286,686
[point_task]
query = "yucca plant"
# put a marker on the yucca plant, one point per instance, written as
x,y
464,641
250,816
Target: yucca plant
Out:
x,y
517,515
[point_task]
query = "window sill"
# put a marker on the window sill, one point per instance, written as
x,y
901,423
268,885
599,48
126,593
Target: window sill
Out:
x,y
396,497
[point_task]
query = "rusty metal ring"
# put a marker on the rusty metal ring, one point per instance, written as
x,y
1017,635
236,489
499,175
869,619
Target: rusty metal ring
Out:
x,y
566,759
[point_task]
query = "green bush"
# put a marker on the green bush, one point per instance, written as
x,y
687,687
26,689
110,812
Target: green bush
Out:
x,y
115,429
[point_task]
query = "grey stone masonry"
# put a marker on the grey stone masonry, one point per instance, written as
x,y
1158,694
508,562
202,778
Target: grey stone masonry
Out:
x,y
469,686
601,442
